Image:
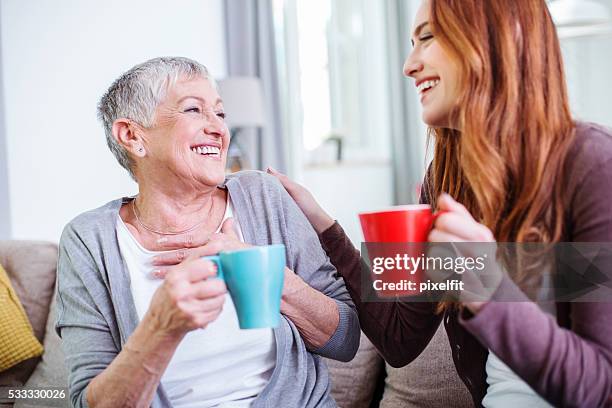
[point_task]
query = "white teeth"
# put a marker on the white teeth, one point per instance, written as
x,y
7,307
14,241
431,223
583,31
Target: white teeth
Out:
x,y
427,85
206,150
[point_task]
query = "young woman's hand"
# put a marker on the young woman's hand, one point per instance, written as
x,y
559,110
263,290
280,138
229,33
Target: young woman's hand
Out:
x,y
456,225
316,215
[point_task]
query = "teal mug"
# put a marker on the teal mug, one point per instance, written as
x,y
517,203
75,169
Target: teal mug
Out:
x,y
254,278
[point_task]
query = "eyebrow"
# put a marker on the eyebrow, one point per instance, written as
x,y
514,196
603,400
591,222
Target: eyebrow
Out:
x,y
418,29
217,102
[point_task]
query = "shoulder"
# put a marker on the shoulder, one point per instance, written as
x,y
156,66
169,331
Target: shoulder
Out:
x,y
591,148
594,132
88,250
82,245
255,182
588,183
89,222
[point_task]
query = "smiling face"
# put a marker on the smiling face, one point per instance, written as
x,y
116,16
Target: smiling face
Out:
x,y
189,139
435,74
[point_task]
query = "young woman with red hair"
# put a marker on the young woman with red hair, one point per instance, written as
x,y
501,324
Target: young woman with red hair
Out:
x,y
510,165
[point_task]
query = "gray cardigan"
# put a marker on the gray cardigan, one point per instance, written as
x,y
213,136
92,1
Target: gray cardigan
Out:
x,y
96,312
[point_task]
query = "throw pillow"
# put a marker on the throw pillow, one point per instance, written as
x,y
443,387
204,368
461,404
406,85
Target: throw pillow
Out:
x,y
17,340
30,266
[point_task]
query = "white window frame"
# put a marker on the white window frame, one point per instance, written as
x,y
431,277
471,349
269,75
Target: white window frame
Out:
x,y
373,92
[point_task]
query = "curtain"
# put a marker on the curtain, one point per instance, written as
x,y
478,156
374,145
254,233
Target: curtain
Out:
x,y
409,133
5,214
251,52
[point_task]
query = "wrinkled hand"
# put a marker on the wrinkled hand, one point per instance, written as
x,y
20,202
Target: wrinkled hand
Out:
x,y
188,299
191,246
456,225
316,215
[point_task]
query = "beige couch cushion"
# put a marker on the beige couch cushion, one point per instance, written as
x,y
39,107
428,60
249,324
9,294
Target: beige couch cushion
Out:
x,y
51,372
31,267
354,383
429,381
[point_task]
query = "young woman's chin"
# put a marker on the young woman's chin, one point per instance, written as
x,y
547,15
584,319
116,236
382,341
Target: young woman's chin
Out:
x,y
434,119
439,118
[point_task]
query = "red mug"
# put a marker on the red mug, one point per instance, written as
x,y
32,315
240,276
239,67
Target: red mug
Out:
x,y
402,224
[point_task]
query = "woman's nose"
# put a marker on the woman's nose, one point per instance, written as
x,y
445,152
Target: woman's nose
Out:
x,y
412,65
215,126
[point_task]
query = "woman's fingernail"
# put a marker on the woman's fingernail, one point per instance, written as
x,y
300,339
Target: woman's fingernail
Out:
x,y
156,273
271,170
162,240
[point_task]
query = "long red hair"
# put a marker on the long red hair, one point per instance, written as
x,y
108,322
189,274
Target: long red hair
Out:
x,y
506,163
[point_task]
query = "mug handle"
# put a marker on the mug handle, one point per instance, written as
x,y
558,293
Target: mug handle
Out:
x,y
217,260
435,216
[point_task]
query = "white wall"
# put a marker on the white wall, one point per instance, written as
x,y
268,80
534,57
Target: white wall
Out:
x,y
588,64
59,56
348,189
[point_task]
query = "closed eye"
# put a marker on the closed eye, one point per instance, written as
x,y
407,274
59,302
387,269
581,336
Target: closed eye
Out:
x,y
423,38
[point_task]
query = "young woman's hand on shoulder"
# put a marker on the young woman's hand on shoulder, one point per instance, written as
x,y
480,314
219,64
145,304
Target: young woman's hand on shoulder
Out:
x,y
315,214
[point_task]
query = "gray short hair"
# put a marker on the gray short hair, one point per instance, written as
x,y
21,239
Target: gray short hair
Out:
x,y
137,93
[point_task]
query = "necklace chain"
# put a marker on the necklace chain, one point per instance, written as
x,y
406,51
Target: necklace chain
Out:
x,y
143,225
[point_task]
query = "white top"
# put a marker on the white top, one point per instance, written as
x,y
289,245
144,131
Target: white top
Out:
x,y
506,389
219,366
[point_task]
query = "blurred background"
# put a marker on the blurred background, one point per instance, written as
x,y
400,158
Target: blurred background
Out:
x,y
313,88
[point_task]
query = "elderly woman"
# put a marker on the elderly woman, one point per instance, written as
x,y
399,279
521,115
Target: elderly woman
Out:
x,y
140,322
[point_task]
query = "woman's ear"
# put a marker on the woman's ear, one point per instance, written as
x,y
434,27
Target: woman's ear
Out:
x,y
125,133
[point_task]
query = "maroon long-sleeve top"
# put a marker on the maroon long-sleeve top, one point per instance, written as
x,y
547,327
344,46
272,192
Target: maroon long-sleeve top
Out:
x,y
567,360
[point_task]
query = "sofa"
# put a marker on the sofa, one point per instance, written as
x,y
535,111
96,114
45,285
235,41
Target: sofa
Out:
x,y
366,381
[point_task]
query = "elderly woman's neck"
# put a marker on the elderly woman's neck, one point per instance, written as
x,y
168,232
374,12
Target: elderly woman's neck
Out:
x,y
172,210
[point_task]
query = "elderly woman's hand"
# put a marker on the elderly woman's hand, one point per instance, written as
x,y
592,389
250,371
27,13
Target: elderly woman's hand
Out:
x,y
190,246
190,298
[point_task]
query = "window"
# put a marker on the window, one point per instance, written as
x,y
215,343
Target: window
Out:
x,y
333,65
588,63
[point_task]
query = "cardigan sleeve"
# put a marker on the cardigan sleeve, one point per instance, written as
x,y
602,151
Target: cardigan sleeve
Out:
x,y
567,366
399,330
308,260
86,338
